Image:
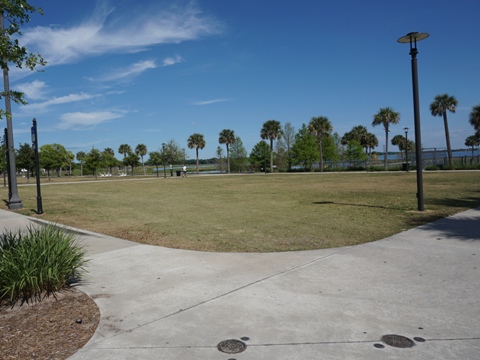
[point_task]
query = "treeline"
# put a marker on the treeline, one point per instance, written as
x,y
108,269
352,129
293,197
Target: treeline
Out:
x,y
282,148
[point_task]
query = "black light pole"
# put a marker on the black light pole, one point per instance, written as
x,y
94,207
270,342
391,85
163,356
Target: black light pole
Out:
x,y
412,39
37,166
163,158
406,147
8,164
4,153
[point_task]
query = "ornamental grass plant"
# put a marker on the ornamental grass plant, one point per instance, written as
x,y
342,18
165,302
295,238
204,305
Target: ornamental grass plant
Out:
x,y
38,262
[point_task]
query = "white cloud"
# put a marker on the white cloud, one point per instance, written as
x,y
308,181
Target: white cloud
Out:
x,y
80,120
134,70
117,31
208,102
172,61
59,100
34,90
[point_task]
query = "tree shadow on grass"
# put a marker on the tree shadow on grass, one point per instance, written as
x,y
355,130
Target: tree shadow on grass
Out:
x,y
468,202
348,204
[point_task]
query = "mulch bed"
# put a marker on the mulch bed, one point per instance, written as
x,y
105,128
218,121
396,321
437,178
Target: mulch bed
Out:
x,y
50,329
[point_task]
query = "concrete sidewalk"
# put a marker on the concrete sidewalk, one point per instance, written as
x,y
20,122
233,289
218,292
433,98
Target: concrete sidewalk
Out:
x,y
159,303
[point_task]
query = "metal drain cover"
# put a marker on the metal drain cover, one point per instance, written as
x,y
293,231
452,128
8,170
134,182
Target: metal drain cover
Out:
x,y
231,346
397,341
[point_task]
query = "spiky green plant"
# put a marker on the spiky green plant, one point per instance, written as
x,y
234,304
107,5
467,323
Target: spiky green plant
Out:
x,y
38,262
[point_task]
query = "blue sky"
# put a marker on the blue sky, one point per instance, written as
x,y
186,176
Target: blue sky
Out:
x,y
129,71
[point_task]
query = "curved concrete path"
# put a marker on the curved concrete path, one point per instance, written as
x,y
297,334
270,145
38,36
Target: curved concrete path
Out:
x,y
159,303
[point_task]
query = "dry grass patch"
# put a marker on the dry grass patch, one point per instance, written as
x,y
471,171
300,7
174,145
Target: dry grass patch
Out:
x,y
277,212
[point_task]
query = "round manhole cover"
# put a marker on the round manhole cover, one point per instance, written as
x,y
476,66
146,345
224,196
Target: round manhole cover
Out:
x,y
231,346
397,341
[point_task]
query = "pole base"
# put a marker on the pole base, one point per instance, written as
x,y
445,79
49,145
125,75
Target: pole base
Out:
x,y
15,205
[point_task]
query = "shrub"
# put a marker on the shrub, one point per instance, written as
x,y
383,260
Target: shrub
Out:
x,y
38,262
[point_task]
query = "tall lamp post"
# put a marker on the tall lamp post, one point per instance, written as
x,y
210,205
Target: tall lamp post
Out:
x,y
412,38
406,147
37,166
163,158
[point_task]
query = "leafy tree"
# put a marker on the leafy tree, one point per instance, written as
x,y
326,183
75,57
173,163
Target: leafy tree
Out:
x,y
321,127
475,117
339,148
385,117
94,160
53,157
124,149
271,130
196,141
285,144
155,158
329,149
258,156
174,154
439,107
15,14
81,155
26,159
305,150
355,152
227,137
238,155
109,159
141,150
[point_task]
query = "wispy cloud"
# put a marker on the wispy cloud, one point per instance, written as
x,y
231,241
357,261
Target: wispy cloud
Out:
x,y
59,100
172,61
133,70
208,102
34,90
83,121
115,30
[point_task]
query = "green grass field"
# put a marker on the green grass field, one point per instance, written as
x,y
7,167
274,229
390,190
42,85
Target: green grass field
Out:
x,y
254,213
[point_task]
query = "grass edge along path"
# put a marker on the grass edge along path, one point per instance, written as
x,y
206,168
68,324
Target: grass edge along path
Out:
x,y
256,213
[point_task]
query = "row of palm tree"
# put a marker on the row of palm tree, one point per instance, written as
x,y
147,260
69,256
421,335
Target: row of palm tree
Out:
x,y
321,127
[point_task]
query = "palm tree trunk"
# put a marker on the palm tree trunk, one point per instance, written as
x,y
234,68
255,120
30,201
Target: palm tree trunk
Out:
x,y
386,150
271,156
228,161
447,137
197,158
321,153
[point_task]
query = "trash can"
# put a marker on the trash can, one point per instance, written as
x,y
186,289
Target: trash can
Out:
x,y
405,166
179,173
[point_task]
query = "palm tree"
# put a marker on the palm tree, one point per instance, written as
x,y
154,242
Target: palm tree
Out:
x,y
400,141
196,141
124,149
370,142
439,107
475,117
472,141
385,117
81,155
321,127
357,133
271,130
227,137
141,150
